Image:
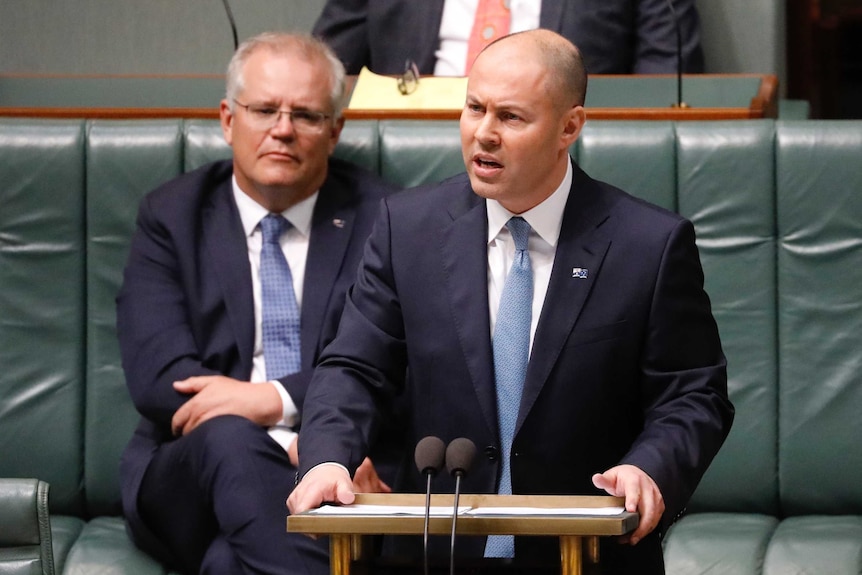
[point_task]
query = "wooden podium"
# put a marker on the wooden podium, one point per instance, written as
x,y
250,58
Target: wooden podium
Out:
x,y
578,533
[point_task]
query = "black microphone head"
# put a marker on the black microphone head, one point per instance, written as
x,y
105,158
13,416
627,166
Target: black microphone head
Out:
x,y
459,456
429,455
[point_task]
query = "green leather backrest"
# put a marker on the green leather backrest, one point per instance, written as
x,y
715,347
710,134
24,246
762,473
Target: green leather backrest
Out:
x,y
203,143
726,187
783,276
419,152
360,144
819,167
42,310
639,157
124,159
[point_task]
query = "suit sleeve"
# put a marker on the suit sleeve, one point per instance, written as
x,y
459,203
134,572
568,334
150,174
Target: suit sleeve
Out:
x,y
656,38
343,24
687,414
156,341
362,369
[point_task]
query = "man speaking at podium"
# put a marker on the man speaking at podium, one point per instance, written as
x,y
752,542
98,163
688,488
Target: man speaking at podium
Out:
x,y
554,320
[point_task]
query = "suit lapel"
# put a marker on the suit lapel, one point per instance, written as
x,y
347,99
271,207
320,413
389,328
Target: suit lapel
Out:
x,y
465,263
581,245
226,248
331,229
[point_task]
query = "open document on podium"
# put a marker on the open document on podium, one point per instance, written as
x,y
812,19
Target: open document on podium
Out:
x,y
359,509
465,510
375,92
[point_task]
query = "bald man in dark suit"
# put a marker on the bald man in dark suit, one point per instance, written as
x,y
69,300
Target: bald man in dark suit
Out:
x,y
623,383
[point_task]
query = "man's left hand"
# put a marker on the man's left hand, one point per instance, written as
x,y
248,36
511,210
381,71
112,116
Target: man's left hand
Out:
x,y
641,493
366,480
214,395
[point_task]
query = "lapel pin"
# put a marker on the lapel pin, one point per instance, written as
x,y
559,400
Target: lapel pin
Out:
x,y
580,273
338,223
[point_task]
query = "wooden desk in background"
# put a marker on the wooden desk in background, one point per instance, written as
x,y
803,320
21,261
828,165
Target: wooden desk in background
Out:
x,y
710,97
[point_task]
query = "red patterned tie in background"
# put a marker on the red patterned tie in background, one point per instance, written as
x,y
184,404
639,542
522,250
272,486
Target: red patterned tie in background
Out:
x,y
493,18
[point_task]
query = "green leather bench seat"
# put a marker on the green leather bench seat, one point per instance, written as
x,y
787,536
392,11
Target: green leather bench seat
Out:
x,y
778,211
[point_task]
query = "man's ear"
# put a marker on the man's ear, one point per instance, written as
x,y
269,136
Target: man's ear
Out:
x,y
574,121
226,119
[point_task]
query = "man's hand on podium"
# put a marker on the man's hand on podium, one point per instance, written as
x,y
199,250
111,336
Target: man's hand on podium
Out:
x,y
641,493
325,483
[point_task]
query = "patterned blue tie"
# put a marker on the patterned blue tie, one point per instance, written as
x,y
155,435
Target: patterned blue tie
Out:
x,y
511,353
281,348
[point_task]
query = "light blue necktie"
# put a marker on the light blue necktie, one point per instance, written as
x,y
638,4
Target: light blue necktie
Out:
x,y
281,347
511,344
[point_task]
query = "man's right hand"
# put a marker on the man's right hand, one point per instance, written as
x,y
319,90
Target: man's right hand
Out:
x,y
323,484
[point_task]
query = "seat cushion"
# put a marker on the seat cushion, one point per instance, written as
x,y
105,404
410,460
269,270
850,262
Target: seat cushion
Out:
x,y
65,529
817,544
718,544
104,547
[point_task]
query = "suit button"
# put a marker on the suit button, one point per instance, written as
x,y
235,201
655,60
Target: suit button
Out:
x,y
491,453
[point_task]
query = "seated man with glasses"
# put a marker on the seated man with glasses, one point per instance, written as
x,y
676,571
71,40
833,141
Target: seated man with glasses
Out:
x,y
235,282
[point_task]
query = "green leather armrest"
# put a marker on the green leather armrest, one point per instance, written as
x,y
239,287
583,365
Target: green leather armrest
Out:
x,y
25,531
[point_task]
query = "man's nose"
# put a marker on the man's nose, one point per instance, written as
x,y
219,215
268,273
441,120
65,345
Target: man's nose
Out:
x,y
487,130
283,126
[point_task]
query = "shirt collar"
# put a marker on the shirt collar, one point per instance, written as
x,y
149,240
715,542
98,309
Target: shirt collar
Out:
x,y
251,212
546,219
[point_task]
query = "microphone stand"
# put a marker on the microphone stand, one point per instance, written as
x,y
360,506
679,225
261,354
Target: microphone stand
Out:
x,y
232,24
427,522
429,456
459,458
679,102
458,475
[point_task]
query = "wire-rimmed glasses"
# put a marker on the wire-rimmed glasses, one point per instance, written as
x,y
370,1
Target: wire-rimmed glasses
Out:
x,y
265,117
409,80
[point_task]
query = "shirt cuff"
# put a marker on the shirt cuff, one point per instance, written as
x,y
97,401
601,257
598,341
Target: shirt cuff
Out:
x,y
328,463
284,436
289,411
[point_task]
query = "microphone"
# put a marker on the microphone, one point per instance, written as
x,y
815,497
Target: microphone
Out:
x,y
429,455
459,458
679,102
232,24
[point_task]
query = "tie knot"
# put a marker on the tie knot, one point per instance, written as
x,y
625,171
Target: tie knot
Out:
x,y
520,231
272,226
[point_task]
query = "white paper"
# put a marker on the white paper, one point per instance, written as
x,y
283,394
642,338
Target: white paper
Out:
x,y
385,510
580,511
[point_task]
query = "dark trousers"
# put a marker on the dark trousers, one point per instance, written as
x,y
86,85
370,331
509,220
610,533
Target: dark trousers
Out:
x,y
216,498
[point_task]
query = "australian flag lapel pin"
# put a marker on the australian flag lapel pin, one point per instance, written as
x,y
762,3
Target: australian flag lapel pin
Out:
x,y
580,273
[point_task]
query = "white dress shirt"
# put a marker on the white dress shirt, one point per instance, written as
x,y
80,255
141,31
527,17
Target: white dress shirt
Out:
x,y
457,23
294,244
545,221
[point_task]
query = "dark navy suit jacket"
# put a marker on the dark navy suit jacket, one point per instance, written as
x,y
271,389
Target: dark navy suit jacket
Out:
x,y
614,36
626,365
186,306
